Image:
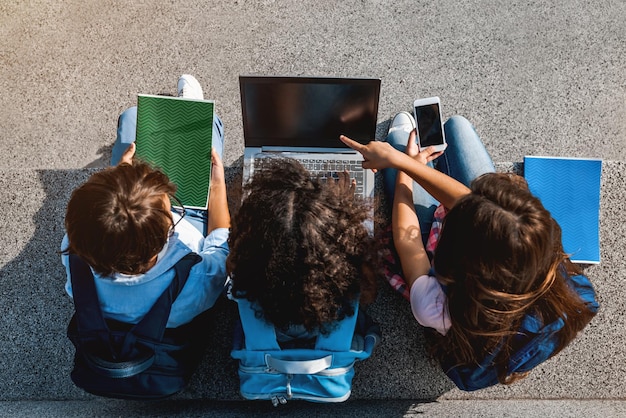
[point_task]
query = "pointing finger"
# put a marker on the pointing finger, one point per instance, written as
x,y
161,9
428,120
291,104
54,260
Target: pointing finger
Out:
x,y
351,143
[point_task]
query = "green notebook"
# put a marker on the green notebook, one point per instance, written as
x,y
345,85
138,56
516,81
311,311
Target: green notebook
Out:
x,y
175,135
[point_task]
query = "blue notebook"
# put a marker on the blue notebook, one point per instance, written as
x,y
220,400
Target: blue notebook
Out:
x,y
570,189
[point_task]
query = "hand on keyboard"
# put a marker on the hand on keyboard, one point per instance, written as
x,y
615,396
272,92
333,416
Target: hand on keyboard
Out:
x,y
331,170
342,184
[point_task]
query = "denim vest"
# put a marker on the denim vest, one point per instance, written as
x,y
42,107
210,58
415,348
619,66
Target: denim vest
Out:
x,y
537,343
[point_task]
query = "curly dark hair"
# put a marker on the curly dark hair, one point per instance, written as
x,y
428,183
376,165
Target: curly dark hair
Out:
x,y
300,249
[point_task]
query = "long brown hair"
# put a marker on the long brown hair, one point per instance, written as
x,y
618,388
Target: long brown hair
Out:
x,y
117,221
500,256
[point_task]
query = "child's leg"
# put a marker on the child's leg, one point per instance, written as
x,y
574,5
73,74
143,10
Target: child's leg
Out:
x,y
126,129
198,217
466,157
424,203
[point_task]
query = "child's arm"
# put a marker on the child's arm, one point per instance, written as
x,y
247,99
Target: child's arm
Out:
x,y
218,215
378,155
407,236
405,226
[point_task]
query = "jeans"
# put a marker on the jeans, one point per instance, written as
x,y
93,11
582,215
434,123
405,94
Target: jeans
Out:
x,y
126,130
464,159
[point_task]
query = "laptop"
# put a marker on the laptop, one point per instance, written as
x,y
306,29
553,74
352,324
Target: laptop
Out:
x,y
303,117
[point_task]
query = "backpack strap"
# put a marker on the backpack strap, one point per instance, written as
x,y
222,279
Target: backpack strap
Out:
x,y
260,335
312,366
153,324
340,338
89,318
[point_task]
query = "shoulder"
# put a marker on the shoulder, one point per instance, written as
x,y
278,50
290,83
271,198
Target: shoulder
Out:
x,y
429,304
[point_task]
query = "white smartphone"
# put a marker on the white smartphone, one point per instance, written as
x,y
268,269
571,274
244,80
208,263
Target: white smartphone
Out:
x,y
429,123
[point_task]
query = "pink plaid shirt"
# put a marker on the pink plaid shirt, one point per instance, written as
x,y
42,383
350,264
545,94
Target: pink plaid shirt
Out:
x,y
391,263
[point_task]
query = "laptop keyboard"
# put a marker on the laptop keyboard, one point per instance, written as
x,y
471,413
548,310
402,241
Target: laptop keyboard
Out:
x,y
330,169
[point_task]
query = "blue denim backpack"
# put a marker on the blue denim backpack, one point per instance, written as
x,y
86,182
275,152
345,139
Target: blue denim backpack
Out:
x,y
320,374
536,342
133,361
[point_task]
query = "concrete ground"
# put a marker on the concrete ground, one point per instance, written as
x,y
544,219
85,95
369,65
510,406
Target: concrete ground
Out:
x,y
535,77
352,409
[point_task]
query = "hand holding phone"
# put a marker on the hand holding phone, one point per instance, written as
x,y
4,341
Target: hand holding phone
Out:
x,y
429,123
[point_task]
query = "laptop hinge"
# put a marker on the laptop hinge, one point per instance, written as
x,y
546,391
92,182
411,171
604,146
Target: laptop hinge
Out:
x,y
308,150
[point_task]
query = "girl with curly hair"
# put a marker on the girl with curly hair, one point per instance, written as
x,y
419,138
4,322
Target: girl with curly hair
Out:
x,y
301,250
501,295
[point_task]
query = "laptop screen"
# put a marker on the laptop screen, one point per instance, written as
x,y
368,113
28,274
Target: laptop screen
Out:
x,y
308,112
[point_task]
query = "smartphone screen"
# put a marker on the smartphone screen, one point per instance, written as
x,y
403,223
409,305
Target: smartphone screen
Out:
x,y
429,125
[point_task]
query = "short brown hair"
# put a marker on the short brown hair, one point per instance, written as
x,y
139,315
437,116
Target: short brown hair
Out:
x,y
116,221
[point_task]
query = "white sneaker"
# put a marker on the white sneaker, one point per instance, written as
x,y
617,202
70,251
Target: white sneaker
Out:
x,y
403,121
189,87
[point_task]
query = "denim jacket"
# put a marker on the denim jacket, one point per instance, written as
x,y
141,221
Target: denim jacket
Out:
x,y
537,341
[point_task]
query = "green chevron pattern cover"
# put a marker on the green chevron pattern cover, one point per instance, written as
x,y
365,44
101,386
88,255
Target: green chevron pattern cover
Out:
x,y
174,134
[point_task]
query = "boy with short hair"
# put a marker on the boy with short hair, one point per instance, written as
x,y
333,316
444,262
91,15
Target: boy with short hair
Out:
x,y
120,223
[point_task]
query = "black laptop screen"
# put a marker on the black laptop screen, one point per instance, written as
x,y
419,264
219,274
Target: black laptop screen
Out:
x,y
308,112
